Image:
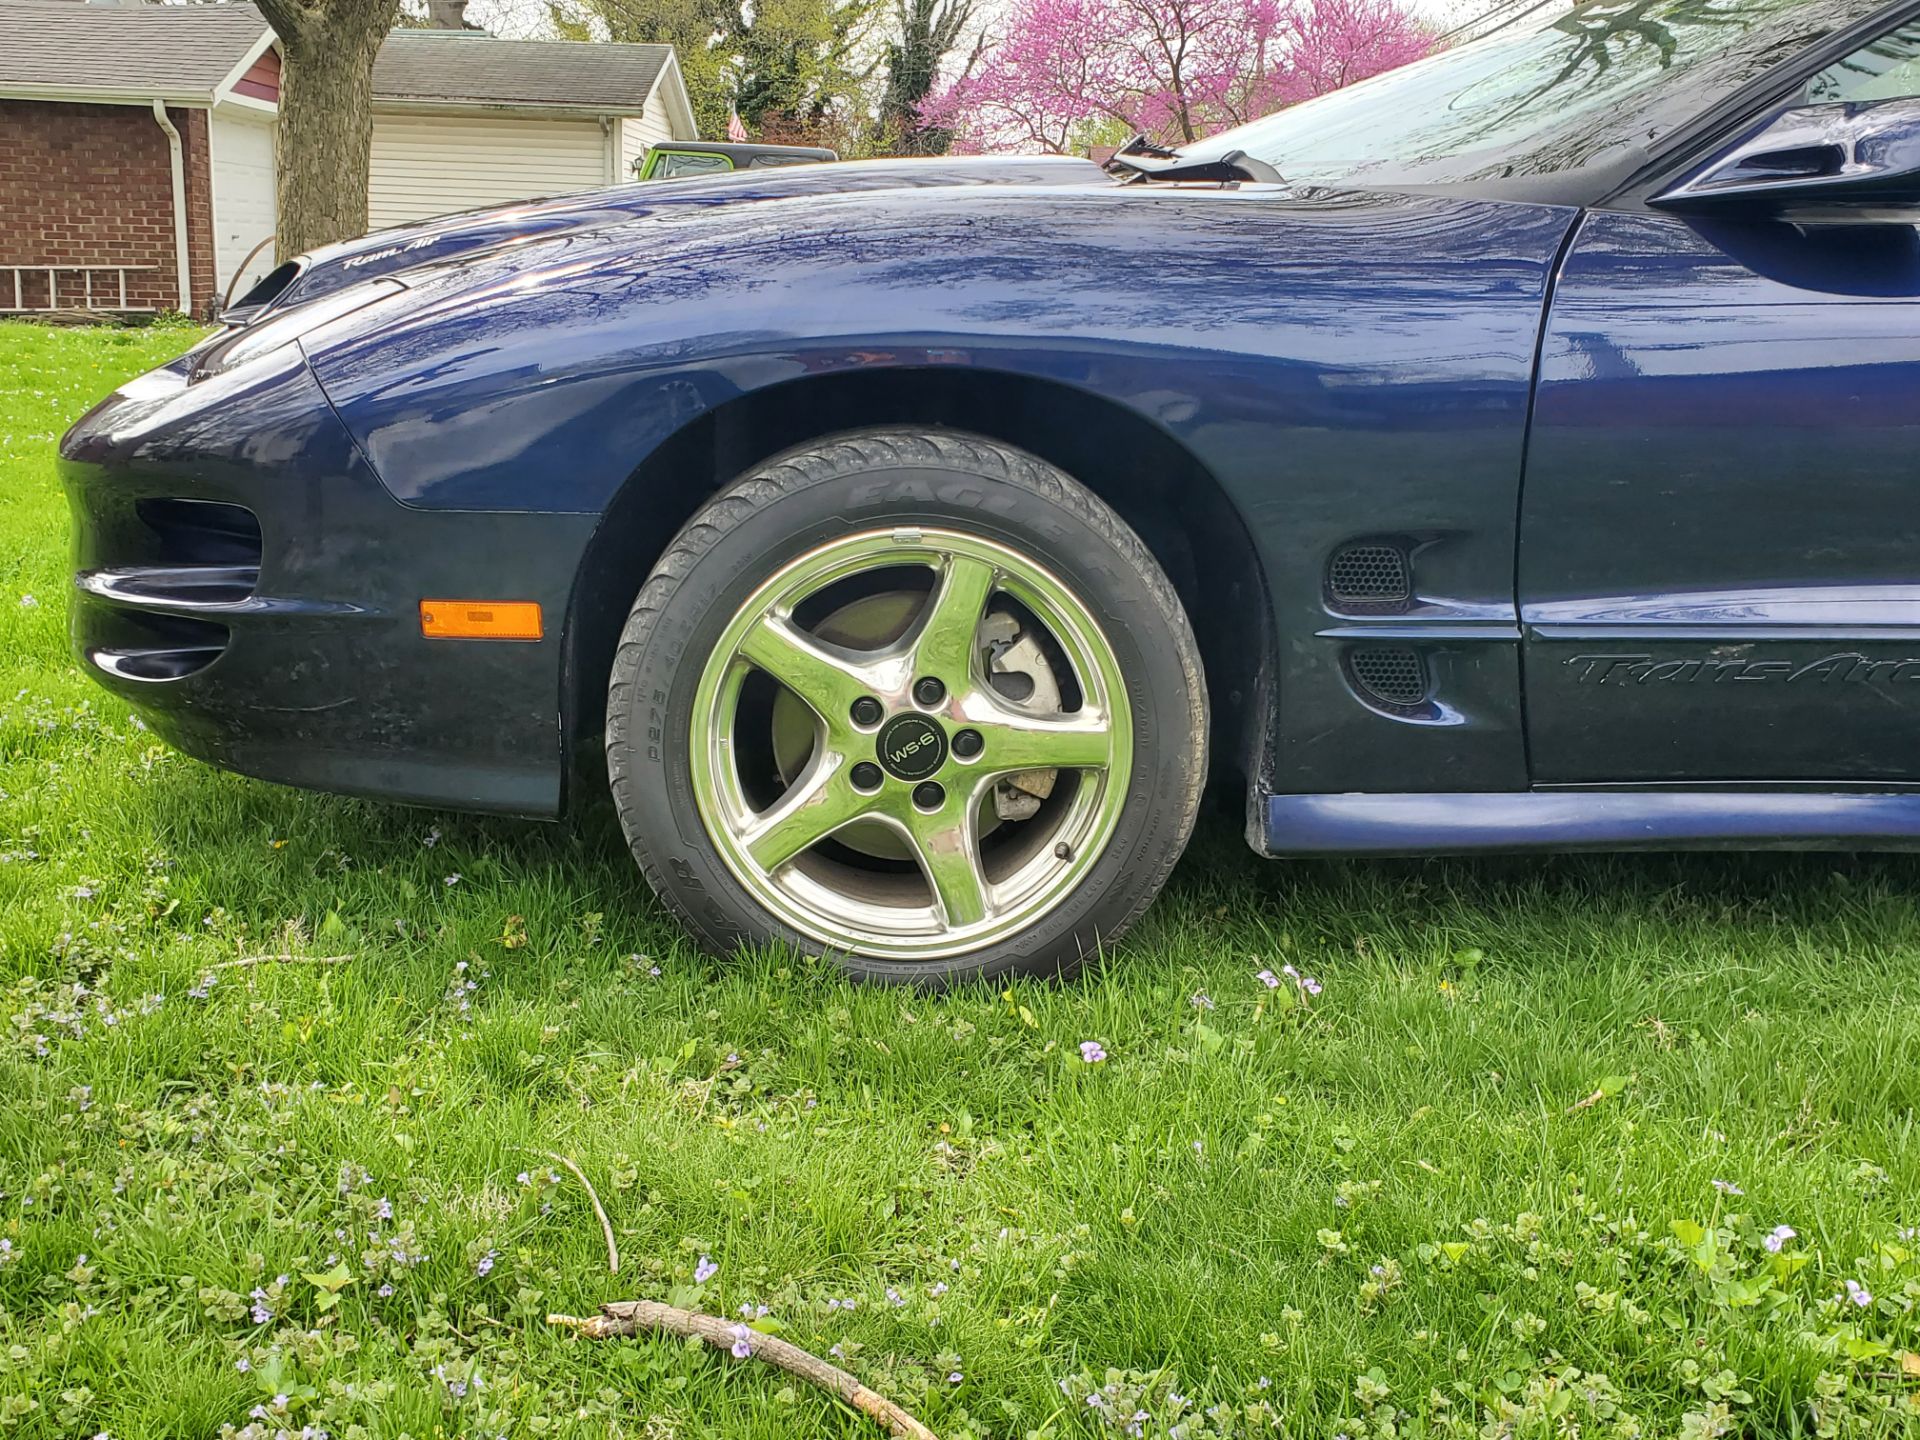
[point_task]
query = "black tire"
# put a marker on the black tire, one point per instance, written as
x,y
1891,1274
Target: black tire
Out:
x,y
901,477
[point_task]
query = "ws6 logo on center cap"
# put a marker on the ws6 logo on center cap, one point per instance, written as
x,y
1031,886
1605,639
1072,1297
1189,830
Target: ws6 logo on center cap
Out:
x,y
912,747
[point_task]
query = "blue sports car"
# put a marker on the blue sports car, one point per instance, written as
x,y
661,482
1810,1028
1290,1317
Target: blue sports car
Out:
x,y
1514,451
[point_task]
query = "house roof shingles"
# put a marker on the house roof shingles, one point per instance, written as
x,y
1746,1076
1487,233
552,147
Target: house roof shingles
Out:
x,y
451,67
185,52
170,51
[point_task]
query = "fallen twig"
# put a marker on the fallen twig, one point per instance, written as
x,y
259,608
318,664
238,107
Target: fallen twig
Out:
x,y
632,1317
284,960
606,1225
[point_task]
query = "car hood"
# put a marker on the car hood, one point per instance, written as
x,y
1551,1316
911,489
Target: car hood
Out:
x,y
334,267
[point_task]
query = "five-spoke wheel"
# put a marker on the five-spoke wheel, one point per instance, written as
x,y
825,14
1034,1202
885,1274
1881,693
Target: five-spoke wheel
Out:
x,y
910,740
916,701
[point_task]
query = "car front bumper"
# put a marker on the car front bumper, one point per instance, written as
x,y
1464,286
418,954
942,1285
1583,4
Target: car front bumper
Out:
x,y
247,583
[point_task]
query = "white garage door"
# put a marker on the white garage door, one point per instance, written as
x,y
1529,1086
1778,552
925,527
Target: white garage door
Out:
x,y
426,165
243,200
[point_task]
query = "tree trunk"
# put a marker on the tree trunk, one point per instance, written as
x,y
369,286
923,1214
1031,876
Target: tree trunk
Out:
x,y
327,49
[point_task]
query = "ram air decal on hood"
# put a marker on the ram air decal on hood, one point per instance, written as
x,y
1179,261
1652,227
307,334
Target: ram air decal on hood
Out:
x,y
323,271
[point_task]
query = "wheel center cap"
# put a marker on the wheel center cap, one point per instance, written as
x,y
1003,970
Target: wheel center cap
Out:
x,y
911,747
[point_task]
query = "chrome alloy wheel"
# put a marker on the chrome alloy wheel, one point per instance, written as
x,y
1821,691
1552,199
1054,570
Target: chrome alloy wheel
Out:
x,y
918,743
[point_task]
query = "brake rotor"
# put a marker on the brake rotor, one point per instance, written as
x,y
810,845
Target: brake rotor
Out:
x,y
1017,667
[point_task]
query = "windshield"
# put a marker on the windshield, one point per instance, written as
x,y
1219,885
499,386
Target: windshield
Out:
x,y
1552,91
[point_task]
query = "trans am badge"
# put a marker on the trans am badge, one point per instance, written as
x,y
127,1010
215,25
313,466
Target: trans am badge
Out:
x,y
1849,667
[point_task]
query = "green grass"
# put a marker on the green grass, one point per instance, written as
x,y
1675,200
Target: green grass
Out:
x,y
1384,1212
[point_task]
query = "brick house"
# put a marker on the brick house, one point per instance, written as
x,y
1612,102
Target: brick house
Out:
x,y
136,150
137,141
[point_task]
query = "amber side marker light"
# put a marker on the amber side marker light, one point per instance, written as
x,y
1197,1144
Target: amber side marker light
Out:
x,y
480,619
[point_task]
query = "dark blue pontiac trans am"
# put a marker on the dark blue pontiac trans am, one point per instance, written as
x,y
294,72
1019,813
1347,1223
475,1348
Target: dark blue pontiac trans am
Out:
x,y
1518,450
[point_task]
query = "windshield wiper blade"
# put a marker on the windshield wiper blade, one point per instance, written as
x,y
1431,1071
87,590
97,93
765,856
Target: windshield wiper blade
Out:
x,y
1142,159
1145,144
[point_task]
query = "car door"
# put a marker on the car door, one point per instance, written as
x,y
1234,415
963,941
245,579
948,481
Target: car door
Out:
x,y
1719,569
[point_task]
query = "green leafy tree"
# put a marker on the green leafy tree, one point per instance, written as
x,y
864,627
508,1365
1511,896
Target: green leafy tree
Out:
x,y
797,71
788,67
693,27
924,34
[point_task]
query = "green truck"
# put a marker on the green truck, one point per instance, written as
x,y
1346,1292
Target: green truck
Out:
x,y
716,157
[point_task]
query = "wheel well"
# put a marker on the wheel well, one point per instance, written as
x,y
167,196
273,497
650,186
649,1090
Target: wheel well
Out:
x,y
1153,482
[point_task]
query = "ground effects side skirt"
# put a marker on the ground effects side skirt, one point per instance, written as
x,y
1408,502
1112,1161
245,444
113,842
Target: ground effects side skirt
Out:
x,y
1429,824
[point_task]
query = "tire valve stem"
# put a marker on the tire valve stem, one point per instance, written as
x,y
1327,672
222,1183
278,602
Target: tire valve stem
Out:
x,y
1063,851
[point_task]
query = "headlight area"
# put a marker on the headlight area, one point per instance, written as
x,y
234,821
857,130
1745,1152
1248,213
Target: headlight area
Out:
x,y
242,578
239,347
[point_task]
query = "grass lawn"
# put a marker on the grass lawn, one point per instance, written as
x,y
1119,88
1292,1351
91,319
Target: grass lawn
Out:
x,y
1515,1168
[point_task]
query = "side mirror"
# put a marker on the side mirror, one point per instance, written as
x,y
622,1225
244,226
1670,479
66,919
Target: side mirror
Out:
x,y
1832,164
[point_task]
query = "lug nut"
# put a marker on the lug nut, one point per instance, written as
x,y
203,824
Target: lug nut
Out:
x,y
928,796
967,744
867,711
866,776
929,691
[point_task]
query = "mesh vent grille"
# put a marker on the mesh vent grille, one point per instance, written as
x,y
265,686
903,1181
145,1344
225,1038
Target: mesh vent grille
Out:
x,y
1389,674
1369,574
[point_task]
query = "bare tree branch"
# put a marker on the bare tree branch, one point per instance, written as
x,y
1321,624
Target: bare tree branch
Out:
x,y
636,1317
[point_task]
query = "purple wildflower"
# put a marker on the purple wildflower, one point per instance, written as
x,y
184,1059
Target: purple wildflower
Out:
x,y
1777,1237
1091,1052
704,1271
1859,1294
742,1344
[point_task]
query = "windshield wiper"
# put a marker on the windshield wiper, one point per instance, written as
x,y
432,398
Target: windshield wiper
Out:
x,y
1142,159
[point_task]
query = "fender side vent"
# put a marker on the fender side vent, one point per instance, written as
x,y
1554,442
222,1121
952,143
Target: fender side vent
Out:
x,y
1391,676
1373,577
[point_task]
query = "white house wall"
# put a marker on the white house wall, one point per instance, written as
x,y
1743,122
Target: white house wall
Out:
x,y
427,165
241,141
651,127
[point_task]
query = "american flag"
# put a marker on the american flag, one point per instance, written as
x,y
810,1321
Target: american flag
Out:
x,y
736,131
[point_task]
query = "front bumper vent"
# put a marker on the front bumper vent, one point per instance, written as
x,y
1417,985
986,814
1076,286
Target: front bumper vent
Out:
x,y
201,532
151,648
157,603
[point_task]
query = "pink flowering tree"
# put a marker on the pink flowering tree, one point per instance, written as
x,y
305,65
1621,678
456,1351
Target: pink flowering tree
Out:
x,y
1068,73
1331,43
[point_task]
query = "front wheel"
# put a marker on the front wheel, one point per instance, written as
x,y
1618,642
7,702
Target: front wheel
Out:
x,y
916,701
